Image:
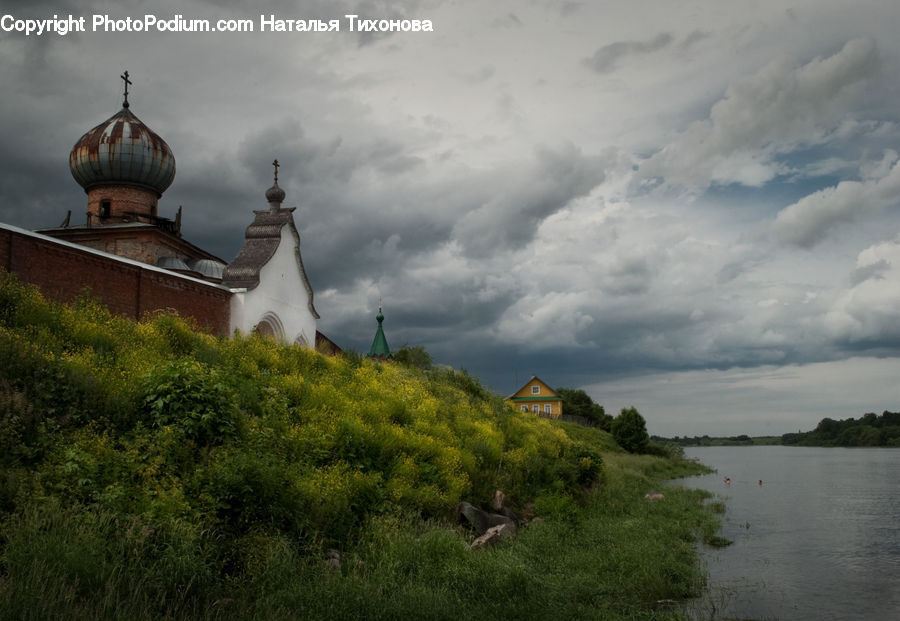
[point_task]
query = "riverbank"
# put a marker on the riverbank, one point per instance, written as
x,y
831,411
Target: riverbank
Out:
x,y
615,556
612,555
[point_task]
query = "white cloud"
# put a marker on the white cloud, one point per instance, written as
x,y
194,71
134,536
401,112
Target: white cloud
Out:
x,y
876,169
780,107
807,222
522,198
869,312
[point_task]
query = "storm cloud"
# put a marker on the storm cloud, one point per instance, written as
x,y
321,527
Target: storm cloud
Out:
x,y
673,210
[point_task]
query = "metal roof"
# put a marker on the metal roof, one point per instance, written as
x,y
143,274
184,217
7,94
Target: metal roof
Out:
x,y
262,239
172,263
122,150
379,347
208,267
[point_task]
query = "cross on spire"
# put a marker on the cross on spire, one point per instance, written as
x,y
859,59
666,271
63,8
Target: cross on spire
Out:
x,y
124,76
276,165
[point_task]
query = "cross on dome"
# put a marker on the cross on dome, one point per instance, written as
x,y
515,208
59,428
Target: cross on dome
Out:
x,y
275,195
124,76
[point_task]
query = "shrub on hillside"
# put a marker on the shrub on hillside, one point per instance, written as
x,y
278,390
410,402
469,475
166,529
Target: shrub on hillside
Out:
x,y
579,403
413,357
193,398
630,430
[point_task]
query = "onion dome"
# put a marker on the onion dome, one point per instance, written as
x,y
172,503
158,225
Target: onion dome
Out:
x,y
122,150
275,195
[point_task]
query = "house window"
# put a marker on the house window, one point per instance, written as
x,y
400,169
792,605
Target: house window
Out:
x,y
524,408
547,408
535,408
535,390
105,206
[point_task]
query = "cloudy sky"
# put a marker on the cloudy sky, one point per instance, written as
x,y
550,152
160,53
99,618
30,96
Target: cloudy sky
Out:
x,y
692,207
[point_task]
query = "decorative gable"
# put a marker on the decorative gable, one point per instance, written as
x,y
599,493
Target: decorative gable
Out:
x,y
537,397
263,238
535,388
272,294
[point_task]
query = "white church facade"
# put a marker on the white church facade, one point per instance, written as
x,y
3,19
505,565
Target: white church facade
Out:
x,y
271,292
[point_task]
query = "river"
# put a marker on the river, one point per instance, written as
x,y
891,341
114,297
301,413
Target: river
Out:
x,y
816,533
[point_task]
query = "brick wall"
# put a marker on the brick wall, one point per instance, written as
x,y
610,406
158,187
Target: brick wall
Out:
x,y
123,199
63,271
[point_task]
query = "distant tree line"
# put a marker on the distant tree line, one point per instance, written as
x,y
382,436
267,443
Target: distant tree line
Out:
x,y
705,440
868,430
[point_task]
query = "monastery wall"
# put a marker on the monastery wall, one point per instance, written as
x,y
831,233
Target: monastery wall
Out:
x,y
63,270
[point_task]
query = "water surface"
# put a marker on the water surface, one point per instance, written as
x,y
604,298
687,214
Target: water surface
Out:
x,y
818,539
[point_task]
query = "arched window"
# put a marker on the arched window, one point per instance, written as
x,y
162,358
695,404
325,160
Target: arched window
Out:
x,y
264,328
270,326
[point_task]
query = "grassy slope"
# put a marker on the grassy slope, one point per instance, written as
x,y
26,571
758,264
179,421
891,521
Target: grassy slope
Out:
x,y
149,471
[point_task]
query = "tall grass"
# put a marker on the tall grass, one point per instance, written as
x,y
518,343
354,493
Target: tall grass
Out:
x,y
151,471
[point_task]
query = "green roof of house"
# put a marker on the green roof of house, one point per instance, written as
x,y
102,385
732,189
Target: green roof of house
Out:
x,y
379,347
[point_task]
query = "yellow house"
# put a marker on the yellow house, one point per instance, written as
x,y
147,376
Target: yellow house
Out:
x,y
538,398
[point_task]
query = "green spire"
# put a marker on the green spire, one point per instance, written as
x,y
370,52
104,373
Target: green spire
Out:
x,y
380,347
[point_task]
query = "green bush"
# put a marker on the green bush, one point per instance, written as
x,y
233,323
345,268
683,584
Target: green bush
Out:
x,y
193,398
630,431
415,357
